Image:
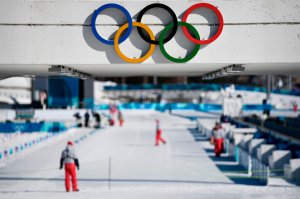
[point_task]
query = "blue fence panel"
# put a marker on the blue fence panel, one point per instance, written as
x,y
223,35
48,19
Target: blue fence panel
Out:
x,y
179,106
203,87
11,127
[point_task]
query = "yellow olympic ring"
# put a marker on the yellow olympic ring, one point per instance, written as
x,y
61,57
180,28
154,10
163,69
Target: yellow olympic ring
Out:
x,y
127,59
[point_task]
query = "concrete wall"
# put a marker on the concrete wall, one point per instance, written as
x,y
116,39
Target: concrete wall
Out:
x,y
262,34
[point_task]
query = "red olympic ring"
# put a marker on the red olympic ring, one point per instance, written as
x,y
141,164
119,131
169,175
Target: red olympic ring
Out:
x,y
215,10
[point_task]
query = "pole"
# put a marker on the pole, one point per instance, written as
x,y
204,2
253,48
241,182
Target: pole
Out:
x,y
109,172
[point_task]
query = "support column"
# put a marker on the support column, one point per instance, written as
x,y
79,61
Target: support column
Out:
x,y
290,82
145,80
273,83
123,80
185,80
88,97
269,86
155,80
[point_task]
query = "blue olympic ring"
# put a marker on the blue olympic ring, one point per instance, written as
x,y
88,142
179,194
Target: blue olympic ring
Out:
x,y
106,6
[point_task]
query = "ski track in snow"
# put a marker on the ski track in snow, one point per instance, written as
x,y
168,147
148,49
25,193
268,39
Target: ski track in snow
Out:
x,y
180,169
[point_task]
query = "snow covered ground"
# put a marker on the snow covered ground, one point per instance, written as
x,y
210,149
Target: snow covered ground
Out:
x,y
182,168
14,146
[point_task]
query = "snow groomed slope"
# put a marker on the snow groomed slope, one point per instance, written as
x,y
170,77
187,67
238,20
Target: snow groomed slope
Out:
x,y
122,162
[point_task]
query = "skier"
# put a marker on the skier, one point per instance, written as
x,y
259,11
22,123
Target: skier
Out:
x,y
86,119
113,109
158,134
70,161
111,121
97,120
120,118
295,107
218,139
78,119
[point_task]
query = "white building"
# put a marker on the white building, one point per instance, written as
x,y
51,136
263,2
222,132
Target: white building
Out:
x,y
262,35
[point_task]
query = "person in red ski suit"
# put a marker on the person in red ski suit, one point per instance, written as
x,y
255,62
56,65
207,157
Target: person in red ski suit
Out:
x,y
120,118
158,134
295,107
70,161
218,139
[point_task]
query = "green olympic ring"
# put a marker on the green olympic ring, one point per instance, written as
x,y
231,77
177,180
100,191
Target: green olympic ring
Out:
x,y
188,57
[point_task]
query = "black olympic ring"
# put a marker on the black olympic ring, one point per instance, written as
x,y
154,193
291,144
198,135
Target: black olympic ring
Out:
x,y
169,10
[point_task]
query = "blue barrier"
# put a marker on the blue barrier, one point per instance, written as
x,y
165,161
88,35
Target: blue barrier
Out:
x,y
202,87
179,106
11,127
163,107
257,107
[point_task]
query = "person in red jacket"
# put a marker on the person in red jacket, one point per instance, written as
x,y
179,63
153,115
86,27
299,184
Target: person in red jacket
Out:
x,y
218,139
70,161
120,118
158,134
295,107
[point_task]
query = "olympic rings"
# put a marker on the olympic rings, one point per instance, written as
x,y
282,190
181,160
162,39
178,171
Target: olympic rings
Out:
x,y
169,10
163,38
187,58
122,56
104,7
215,10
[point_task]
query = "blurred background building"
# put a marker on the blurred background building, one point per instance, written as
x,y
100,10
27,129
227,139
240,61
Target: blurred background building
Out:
x,y
70,92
